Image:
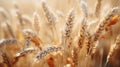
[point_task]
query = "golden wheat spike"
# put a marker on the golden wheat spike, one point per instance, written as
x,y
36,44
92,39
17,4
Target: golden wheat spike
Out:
x,y
46,51
49,14
100,29
83,33
69,24
21,54
105,22
88,41
25,52
36,22
113,49
32,36
83,28
51,18
68,30
6,59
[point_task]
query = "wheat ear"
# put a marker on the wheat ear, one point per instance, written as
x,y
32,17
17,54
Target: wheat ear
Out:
x,y
31,36
36,22
68,27
8,41
10,30
22,53
51,18
6,59
46,51
19,14
102,26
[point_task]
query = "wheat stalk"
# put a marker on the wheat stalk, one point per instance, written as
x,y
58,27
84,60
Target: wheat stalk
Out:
x,y
10,30
113,49
4,13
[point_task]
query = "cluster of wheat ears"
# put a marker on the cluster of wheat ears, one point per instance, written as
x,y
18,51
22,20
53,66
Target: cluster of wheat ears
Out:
x,y
61,41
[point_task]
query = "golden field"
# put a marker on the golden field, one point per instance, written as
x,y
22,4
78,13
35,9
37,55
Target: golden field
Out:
x,y
59,33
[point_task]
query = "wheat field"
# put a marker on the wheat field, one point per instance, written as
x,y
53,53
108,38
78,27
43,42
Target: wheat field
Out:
x,y
59,33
